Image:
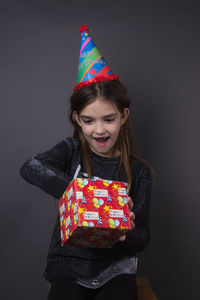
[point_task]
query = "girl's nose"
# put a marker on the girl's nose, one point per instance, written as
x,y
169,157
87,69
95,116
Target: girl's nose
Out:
x,y
99,128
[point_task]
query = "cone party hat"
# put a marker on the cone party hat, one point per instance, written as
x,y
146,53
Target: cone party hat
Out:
x,y
92,66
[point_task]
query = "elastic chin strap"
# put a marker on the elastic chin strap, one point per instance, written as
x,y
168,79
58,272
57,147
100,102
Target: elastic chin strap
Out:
x,y
77,171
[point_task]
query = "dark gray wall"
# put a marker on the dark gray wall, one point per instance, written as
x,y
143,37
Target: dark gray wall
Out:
x,y
154,46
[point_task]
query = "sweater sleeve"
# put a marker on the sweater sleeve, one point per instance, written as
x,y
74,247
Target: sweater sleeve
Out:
x,y
47,170
137,239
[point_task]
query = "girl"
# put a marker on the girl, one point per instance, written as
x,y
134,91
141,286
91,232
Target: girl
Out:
x,y
100,148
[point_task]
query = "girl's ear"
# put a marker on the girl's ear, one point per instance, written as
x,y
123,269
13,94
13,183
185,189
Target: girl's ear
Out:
x,y
125,116
76,118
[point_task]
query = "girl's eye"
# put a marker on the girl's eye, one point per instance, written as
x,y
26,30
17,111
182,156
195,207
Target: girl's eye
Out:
x,y
87,121
90,121
109,120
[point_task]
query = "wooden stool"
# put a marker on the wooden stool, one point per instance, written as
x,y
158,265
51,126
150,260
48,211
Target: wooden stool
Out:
x,y
145,291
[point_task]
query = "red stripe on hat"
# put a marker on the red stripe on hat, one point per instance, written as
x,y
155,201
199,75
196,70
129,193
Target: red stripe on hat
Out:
x,y
104,70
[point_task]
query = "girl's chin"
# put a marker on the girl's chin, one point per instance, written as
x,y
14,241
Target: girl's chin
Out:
x,y
102,151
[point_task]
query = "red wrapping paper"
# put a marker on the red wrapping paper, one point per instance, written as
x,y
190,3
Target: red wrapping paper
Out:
x,y
93,213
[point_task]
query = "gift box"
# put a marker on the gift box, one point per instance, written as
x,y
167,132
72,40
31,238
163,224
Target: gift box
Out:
x,y
93,213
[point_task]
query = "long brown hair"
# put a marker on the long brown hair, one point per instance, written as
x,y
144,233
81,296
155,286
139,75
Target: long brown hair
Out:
x,y
115,92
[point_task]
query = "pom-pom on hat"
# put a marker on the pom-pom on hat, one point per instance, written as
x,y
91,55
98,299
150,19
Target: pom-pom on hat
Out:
x,y
92,66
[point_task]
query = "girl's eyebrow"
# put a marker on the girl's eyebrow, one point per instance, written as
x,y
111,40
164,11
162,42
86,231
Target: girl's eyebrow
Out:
x,y
106,116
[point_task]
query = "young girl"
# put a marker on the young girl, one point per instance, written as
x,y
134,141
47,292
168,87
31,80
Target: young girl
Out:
x,y
101,148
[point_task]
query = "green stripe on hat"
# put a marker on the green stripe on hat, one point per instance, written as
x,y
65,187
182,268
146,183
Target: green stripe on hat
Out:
x,y
88,60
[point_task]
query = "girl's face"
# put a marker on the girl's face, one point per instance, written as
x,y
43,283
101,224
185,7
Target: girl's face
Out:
x,y
100,122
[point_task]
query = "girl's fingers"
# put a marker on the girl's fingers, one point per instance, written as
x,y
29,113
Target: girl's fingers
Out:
x,y
122,238
132,215
130,203
132,218
132,225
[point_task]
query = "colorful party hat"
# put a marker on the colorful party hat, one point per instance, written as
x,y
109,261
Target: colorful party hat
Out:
x,y
92,66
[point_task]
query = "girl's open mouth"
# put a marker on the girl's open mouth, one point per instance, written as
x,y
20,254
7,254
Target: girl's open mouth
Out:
x,y
101,140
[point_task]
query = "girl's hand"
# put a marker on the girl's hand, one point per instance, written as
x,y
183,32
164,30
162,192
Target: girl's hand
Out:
x,y
132,218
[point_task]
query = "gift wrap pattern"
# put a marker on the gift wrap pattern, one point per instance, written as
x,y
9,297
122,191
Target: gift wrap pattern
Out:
x,y
93,213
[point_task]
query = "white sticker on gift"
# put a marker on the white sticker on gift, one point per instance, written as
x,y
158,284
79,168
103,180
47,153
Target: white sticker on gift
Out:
x,y
116,213
70,193
62,208
67,222
91,215
75,207
101,193
79,195
122,191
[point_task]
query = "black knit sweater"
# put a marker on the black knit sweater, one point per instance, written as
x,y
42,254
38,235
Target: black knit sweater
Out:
x,y
52,171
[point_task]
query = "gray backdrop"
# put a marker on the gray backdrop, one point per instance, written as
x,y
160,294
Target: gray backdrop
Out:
x,y
154,47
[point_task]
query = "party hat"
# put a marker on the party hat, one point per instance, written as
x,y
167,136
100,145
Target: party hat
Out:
x,y
92,66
